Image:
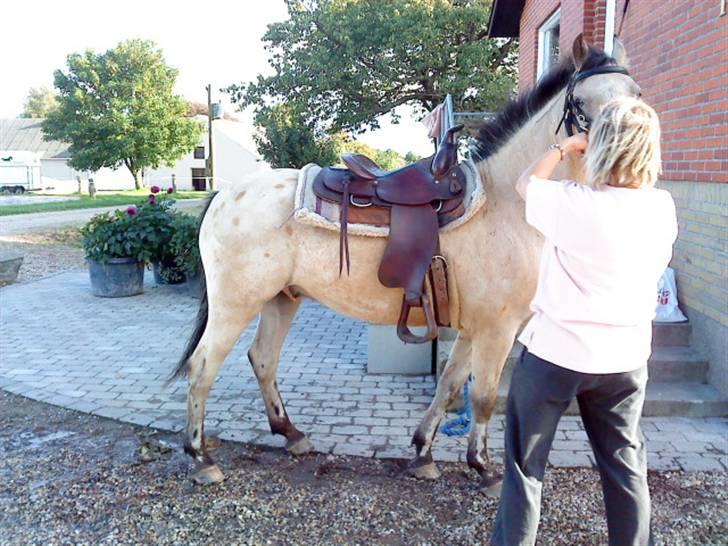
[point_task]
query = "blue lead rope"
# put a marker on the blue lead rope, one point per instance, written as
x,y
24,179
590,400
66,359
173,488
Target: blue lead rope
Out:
x,y
461,425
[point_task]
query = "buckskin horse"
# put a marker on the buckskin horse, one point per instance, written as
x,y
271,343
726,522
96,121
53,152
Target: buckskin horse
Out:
x,y
258,260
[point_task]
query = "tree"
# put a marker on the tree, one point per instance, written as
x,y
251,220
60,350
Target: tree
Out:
x,y
411,157
350,61
285,140
118,108
387,159
39,103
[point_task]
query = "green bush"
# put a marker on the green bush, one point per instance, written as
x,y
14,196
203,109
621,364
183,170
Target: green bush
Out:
x,y
184,245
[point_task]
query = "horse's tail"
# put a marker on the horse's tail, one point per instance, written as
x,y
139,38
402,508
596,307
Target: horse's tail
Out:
x,y
201,322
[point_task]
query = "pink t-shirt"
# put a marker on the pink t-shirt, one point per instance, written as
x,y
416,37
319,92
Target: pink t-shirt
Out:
x,y
602,259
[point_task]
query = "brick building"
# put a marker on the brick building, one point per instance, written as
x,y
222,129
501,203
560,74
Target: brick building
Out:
x,y
678,52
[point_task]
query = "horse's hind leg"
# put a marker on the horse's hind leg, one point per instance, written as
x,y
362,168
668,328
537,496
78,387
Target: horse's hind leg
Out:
x,y
452,379
490,351
222,330
275,321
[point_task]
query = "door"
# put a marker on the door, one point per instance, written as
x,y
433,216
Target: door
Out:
x,y
199,181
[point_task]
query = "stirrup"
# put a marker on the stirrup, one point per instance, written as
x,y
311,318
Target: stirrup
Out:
x,y
403,330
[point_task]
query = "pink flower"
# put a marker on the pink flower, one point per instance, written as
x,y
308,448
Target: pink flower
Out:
x,y
131,211
154,189
170,190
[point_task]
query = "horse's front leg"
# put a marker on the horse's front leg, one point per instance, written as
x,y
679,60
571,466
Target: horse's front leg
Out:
x,y
452,379
491,347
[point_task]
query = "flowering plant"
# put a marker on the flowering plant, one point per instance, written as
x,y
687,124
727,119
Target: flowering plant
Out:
x,y
143,231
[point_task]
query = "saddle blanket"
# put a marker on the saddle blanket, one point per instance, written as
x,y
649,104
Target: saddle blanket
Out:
x,y
326,215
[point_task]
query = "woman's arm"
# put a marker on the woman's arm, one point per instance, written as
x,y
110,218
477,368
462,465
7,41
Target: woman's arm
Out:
x,y
545,165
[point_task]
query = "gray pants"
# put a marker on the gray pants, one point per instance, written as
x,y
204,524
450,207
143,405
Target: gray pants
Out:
x,y
610,405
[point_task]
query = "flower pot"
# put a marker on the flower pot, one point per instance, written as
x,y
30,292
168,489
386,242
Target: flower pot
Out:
x,y
165,272
118,278
194,288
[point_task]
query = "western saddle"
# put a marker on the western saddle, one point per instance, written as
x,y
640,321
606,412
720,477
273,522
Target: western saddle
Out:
x,y
414,201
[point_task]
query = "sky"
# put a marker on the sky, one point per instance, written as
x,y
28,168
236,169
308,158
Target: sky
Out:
x,y
210,41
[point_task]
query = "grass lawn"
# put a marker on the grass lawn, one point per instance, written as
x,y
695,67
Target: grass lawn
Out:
x,y
103,199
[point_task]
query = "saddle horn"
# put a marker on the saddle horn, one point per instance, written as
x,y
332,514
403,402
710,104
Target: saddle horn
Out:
x,y
447,153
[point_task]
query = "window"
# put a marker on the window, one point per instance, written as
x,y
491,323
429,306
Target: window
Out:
x,y
609,27
548,44
199,152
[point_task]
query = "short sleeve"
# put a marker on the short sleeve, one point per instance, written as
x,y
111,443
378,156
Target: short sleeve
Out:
x,y
556,208
544,202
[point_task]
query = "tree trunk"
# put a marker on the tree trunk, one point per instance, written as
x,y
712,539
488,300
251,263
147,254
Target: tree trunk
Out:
x,y
138,182
135,172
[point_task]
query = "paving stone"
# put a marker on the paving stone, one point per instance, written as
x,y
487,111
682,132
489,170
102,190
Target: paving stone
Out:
x,y
352,449
696,462
570,459
322,379
656,462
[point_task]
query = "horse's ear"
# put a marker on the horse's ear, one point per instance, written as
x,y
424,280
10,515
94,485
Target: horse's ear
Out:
x,y
579,50
619,53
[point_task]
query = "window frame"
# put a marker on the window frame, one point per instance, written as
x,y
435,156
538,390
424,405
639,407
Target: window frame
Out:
x,y
194,152
546,27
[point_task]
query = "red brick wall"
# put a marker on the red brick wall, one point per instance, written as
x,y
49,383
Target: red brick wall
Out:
x,y
681,62
535,12
678,54
587,16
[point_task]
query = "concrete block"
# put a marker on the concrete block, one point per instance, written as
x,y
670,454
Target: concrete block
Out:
x,y
388,354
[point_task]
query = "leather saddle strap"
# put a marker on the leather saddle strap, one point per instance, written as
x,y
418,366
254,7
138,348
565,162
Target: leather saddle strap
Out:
x,y
344,236
440,296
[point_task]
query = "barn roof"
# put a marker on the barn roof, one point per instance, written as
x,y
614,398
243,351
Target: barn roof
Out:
x,y
505,18
24,134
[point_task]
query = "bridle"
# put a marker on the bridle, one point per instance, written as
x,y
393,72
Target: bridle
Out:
x,y
574,116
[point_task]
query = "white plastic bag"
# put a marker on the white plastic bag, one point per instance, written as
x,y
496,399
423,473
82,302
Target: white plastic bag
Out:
x,y
667,309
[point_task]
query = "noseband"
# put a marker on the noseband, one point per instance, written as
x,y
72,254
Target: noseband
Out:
x,y
574,116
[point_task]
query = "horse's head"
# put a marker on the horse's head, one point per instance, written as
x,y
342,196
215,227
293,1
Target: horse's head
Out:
x,y
596,80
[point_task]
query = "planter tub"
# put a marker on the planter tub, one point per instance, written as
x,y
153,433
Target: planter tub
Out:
x,y
174,274
193,284
9,267
118,278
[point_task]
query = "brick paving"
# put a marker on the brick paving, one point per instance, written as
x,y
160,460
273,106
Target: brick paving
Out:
x,y
110,357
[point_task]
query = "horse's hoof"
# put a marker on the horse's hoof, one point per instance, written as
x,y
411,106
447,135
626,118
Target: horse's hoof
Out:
x,y
299,447
423,471
491,483
208,475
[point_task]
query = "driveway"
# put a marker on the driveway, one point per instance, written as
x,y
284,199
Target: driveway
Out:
x,y
36,221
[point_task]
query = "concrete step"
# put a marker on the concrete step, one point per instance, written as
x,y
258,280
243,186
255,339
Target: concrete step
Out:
x,y
662,400
671,334
676,364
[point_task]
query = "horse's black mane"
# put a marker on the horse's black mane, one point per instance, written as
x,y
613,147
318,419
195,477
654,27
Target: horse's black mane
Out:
x,y
496,132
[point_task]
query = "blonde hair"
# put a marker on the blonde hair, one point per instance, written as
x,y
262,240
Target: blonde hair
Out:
x,y
624,146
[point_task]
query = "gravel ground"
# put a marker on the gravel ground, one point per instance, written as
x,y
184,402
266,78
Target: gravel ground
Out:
x,y
71,478
45,252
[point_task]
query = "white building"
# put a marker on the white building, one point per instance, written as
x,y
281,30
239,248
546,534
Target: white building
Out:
x,y
37,163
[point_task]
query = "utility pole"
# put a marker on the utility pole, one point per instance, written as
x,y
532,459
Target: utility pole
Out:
x,y
209,163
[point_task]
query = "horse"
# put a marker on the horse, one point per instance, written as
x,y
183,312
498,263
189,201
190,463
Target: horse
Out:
x,y
257,260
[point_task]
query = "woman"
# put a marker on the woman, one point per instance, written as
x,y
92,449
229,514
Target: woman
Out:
x,y
606,245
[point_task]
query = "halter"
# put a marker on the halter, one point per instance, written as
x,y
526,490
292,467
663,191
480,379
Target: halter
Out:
x,y
574,116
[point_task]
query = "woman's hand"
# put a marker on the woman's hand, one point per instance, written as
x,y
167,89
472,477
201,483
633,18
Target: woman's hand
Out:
x,y
575,144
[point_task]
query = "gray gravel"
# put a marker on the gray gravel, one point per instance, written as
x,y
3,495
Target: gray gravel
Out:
x,y
70,478
45,252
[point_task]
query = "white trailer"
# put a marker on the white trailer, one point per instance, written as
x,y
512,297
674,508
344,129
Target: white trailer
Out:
x,y
20,171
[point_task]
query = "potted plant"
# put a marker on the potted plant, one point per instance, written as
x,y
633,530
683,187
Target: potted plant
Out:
x,y
185,248
114,247
159,218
